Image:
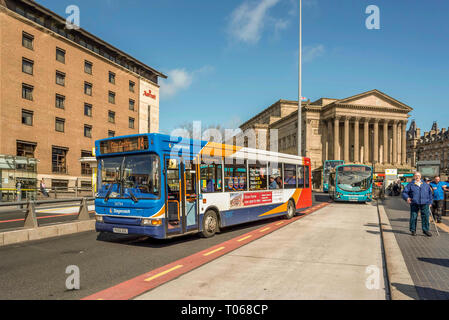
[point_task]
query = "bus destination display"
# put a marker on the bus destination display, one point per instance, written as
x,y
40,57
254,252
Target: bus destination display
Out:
x,y
124,145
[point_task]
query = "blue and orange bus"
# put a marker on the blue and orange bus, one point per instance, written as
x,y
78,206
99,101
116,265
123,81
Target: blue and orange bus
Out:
x,y
352,183
328,166
163,186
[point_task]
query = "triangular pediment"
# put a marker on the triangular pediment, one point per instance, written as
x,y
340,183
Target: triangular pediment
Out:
x,y
374,98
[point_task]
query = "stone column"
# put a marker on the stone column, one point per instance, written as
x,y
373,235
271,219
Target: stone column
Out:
x,y
356,140
376,141
395,142
366,141
386,148
329,139
346,146
325,140
404,142
336,137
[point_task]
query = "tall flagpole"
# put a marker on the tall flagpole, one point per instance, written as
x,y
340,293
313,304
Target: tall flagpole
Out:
x,y
299,83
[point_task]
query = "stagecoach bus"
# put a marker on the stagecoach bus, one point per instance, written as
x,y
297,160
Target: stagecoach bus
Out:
x,y
351,183
163,186
328,166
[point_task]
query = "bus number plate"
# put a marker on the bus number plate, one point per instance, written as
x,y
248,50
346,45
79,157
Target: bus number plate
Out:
x,y
120,230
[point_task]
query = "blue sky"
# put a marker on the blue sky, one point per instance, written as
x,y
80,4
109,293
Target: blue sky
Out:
x,y
228,60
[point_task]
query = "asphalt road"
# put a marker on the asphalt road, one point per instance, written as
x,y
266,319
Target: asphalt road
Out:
x,y
36,270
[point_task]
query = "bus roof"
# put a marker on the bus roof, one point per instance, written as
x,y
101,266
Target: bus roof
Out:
x,y
172,144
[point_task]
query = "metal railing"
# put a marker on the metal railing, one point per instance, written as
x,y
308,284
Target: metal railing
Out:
x,y
29,208
11,194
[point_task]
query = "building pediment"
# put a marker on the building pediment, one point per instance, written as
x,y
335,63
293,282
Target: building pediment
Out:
x,y
373,99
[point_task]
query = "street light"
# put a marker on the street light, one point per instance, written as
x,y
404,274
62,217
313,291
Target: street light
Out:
x,y
299,83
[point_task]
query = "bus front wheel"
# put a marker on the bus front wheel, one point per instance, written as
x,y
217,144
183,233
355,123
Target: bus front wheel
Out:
x,y
291,210
210,224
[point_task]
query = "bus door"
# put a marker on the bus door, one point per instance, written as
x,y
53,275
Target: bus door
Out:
x,y
182,200
174,187
190,195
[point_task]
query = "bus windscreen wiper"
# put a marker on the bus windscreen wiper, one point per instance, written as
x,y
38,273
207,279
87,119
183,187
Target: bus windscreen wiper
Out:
x,y
108,194
132,196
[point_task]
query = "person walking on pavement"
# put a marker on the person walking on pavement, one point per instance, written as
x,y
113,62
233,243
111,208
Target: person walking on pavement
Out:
x,y
44,189
438,188
418,195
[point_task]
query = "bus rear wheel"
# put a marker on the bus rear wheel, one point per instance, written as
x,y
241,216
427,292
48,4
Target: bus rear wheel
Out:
x,y
210,224
291,210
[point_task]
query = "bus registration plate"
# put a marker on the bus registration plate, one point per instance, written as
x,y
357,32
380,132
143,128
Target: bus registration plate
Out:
x,y
120,230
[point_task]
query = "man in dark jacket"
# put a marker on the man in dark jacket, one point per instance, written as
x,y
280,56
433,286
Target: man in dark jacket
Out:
x,y
419,195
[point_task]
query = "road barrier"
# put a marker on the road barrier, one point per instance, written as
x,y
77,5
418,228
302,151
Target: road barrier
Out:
x,y
31,229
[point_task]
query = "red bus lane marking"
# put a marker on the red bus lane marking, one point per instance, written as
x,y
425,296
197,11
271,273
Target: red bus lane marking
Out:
x,y
150,280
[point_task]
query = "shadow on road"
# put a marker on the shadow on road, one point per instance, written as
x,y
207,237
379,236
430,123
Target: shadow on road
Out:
x,y
439,262
423,292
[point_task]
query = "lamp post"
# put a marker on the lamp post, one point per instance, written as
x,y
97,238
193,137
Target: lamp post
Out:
x,y
299,83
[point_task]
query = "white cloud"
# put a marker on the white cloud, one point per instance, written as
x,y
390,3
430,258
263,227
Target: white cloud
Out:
x,y
309,53
181,79
248,20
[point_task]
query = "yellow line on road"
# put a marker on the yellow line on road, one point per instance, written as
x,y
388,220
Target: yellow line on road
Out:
x,y
243,239
163,273
213,251
278,224
266,229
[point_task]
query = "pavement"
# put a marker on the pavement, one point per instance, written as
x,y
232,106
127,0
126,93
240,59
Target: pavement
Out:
x,y
334,253
427,259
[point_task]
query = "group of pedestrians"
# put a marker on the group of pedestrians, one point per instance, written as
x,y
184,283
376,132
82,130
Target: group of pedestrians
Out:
x,y
423,195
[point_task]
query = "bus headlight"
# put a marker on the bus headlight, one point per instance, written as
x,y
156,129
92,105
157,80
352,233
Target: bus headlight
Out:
x,y
99,218
151,222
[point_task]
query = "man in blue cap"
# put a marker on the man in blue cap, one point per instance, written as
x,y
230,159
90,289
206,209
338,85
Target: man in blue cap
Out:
x,y
438,187
419,195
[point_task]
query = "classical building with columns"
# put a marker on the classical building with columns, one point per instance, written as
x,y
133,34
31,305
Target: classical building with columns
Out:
x,y
368,128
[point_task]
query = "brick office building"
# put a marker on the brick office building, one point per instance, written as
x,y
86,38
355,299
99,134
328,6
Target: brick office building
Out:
x,y
60,90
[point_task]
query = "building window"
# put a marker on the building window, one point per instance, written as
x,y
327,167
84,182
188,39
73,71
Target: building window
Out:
x,y
60,101
27,66
112,77
60,55
111,117
27,91
27,40
88,110
131,104
60,185
131,123
132,86
111,97
60,78
27,117
87,131
88,67
86,169
111,134
59,160
88,88
25,149
59,124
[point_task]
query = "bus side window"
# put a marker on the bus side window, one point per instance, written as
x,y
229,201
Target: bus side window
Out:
x,y
258,176
235,176
307,177
275,172
210,176
301,177
289,176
